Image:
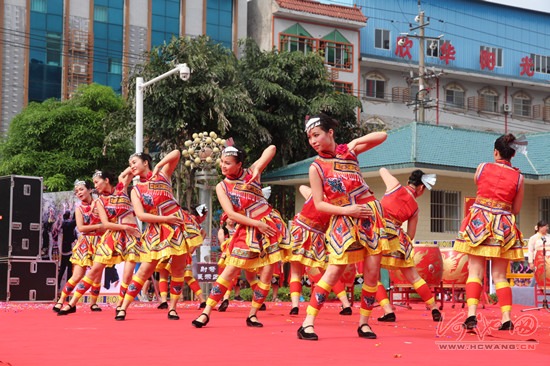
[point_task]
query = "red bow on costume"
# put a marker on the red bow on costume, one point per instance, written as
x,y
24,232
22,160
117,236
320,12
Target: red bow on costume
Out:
x,y
143,180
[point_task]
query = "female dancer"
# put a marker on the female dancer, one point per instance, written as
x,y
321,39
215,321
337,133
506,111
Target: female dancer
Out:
x,y
121,239
307,238
489,230
537,242
170,232
399,204
356,225
90,230
226,231
255,243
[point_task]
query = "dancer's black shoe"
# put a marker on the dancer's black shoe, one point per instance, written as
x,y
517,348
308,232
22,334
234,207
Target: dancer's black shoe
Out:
x,y
70,310
508,325
120,315
223,306
470,323
253,323
173,315
307,336
346,311
163,305
436,315
388,318
368,334
198,324
294,311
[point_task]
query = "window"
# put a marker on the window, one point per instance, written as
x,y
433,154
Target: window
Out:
x,y
546,110
115,66
344,88
488,100
53,49
522,105
375,85
101,14
496,51
219,21
444,211
454,96
39,6
433,46
296,38
541,63
338,51
382,39
544,213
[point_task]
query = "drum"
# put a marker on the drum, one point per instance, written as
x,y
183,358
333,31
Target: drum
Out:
x,y
540,274
428,262
455,266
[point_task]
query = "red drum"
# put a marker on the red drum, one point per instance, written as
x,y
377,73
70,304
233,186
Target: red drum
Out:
x,y
539,271
455,266
428,262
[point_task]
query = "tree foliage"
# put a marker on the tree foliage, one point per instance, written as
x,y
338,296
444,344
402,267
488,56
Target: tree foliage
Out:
x,y
62,141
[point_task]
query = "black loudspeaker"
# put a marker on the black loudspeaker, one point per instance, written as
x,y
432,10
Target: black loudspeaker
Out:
x,y
20,216
28,280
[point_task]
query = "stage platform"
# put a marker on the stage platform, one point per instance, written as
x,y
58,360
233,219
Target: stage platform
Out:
x,y
32,334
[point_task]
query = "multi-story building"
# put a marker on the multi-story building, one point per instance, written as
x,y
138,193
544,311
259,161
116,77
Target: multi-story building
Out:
x,y
486,65
50,47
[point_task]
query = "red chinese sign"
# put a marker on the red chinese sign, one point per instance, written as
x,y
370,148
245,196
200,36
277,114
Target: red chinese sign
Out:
x,y
447,52
487,59
527,66
403,47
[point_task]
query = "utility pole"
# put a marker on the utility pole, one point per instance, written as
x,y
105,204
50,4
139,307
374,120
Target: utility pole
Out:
x,y
421,67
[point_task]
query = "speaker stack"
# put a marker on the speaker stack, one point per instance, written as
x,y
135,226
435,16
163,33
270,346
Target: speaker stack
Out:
x,y
23,276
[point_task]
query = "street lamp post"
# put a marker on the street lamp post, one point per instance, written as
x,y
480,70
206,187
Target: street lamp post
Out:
x,y
185,74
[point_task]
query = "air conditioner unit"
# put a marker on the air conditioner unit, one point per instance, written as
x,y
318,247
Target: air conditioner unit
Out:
x,y
79,69
506,108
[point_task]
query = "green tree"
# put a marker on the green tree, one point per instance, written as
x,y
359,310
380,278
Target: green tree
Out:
x,y
64,140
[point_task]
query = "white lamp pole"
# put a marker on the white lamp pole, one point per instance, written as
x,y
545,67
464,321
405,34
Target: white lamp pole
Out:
x,y
184,72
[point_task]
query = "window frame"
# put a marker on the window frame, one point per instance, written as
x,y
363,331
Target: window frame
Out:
x,y
376,78
379,38
445,223
499,54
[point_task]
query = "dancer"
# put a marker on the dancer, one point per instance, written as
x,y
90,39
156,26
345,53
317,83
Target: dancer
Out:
x,y
226,231
121,241
356,226
489,229
169,232
90,230
255,243
307,235
399,204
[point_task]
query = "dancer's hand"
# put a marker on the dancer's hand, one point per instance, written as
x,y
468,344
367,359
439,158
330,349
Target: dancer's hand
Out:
x,y
266,229
173,219
132,231
359,211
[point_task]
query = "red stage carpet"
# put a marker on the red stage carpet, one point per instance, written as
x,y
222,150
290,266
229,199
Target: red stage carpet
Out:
x,y
31,334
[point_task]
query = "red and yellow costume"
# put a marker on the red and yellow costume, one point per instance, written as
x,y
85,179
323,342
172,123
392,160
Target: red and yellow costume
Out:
x,y
399,206
85,247
490,229
349,239
116,245
307,236
248,248
162,240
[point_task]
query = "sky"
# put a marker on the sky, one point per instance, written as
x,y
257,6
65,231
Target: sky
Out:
x,y
539,5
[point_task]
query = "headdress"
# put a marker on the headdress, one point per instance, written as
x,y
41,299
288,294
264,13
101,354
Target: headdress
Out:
x,y
79,182
428,180
230,151
311,123
520,145
266,192
98,173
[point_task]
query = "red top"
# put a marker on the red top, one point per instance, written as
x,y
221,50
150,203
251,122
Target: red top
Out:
x,y
246,197
497,186
156,196
117,206
341,176
399,204
89,215
312,219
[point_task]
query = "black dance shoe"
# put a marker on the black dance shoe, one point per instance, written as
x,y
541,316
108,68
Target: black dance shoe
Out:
x,y
117,309
294,311
307,336
57,307
70,310
223,306
95,307
368,334
436,315
252,323
508,325
387,318
173,315
163,305
263,307
470,323
120,315
202,305
198,324
346,311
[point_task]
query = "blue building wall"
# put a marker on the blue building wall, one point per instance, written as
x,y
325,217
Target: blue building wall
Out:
x,y
165,22
108,42
467,24
45,50
219,21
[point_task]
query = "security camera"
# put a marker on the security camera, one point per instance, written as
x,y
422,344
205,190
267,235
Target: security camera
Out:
x,y
401,42
185,72
417,18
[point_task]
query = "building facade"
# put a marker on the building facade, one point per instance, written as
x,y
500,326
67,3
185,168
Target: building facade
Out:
x,y
50,47
486,65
